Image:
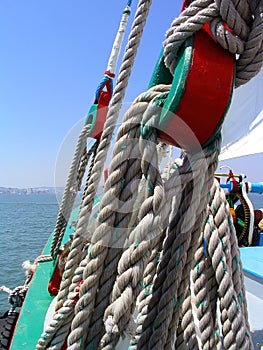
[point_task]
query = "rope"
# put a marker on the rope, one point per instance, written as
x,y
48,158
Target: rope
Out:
x,y
43,258
246,21
230,294
70,192
150,232
103,147
57,331
123,187
68,292
141,240
186,333
70,189
80,235
16,296
170,284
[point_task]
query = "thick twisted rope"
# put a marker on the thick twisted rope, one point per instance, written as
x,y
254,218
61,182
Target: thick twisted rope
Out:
x,y
126,151
112,325
70,191
57,330
81,235
206,308
134,259
110,123
112,205
120,311
66,298
246,21
112,116
118,231
185,333
233,317
167,296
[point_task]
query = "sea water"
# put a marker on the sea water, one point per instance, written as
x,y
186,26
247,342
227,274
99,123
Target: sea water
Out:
x,y
26,222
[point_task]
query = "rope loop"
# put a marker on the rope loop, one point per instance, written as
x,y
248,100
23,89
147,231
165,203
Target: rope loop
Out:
x,y
236,25
151,117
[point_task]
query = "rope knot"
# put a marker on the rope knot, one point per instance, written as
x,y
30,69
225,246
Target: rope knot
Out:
x,y
17,296
236,25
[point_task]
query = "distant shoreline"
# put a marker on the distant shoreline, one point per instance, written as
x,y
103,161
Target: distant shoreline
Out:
x,y
31,190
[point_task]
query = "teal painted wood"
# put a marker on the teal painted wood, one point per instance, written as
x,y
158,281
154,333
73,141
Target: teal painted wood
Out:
x,y
252,261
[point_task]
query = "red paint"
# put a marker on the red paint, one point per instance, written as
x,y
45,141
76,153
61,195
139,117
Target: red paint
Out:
x,y
103,103
54,283
106,174
64,347
235,183
208,89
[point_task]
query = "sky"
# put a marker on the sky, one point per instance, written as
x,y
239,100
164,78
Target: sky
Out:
x,y
53,55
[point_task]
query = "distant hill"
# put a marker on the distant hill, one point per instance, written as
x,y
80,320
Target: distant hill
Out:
x,y
29,190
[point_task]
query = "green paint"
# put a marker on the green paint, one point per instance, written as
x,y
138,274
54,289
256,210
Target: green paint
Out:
x,y
161,74
214,208
150,188
235,300
240,297
177,262
202,304
92,117
92,344
148,288
178,85
180,301
90,251
127,11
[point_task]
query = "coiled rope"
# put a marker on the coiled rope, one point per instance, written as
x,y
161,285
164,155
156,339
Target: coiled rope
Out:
x,y
244,18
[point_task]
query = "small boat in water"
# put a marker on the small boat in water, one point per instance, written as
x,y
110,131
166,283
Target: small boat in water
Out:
x,y
155,261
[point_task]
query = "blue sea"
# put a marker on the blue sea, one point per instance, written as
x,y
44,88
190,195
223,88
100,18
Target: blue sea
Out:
x,y
26,222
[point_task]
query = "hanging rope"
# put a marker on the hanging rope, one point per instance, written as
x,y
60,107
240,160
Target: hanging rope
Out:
x,y
151,244
243,17
90,191
70,192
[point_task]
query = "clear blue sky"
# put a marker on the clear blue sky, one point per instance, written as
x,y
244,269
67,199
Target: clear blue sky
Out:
x,y
53,55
